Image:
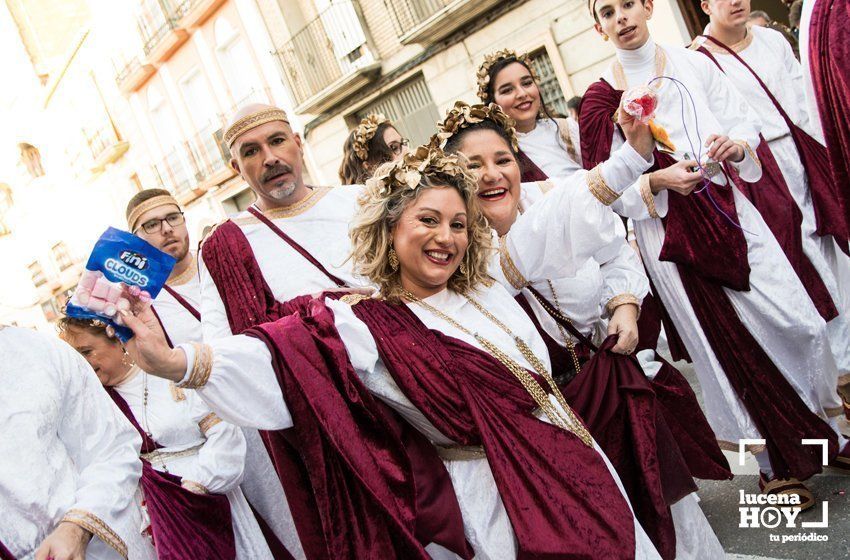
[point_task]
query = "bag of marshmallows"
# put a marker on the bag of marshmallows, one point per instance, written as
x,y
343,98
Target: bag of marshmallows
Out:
x,y
120,266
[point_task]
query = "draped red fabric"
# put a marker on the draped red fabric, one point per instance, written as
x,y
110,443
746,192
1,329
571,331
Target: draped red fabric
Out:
x,y
774,201
249,302
5,553
720,250
184,525
778,412
829,59
558,493
620,407
530,171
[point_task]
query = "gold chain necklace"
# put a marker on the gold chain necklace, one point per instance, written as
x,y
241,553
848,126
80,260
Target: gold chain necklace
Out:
x,y
565,418
157,452
571,347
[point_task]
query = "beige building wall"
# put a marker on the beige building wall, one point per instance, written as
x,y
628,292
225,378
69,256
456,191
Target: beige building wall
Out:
x,y
563,28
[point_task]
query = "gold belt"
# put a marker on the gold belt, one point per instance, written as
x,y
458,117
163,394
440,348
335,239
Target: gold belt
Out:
x,y
163,456
461,452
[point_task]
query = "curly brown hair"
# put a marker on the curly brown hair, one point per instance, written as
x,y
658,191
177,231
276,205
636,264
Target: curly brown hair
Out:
x,y
390,191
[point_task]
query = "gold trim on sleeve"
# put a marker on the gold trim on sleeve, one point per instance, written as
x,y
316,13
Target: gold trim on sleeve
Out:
x,y
749,151
599,188
96,526
545,186
201,367
622,299
177,394
647,196
195,487
208,421
509,269
353,299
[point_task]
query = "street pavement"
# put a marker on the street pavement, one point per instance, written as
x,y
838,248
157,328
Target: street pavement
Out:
x,y
720,503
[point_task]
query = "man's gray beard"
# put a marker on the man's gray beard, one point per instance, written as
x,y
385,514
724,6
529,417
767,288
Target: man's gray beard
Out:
x,y
283,192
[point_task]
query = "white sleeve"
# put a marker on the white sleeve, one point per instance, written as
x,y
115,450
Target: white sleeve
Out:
x,y
242,387
214,323
623,279
738,120
631,204
556,236
104,447
221,460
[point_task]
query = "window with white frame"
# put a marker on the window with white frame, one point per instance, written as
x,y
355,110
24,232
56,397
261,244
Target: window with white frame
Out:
x,y
410,108
234,58
547,82
61,256
39,278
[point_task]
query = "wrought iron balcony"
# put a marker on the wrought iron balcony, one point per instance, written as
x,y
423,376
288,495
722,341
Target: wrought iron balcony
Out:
x,y
133,75
160,30
105,146
329,59
428,21
192,13
190,168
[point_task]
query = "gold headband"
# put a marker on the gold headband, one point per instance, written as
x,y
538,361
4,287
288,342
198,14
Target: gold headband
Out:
x,y
463,115
491,59
366,130
253,121
149,204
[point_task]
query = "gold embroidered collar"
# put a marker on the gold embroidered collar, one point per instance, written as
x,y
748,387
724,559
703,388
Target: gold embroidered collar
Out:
x,y
313,197
186,276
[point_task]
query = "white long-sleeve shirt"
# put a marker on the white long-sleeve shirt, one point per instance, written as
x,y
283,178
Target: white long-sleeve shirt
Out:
x,y
65,449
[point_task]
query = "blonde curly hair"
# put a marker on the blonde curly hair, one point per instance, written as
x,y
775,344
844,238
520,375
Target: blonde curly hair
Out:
x,y
390,191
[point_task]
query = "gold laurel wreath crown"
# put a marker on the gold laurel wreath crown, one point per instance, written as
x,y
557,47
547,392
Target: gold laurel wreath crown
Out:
x,y
407,172
364,133
463,115
491,59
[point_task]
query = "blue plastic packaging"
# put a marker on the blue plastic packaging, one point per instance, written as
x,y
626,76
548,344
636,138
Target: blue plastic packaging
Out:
x,y
120,266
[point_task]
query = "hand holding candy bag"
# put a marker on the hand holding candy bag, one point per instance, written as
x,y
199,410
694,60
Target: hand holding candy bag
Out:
x,y
121,265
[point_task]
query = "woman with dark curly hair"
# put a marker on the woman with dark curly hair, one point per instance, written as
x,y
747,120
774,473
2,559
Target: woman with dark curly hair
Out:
x,y
375,141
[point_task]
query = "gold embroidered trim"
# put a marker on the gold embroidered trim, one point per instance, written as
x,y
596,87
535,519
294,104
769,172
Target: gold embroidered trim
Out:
x,y
461,452
162,457
316,194
620,74
509,269
737,47
195,487
749,151
254,120
353,299
622,299
95,525
149,204
186,276
844,379
208,421
834,411
599,188
733,446
647,196
201,367
545,186
177,394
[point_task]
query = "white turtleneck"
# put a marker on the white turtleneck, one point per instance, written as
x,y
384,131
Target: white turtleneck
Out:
x,y
720,109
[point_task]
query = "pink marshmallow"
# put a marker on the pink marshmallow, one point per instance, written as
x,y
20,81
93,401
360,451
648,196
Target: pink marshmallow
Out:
x,y
101,289
110,310
88,279
96,305
115,291
82,296
123,304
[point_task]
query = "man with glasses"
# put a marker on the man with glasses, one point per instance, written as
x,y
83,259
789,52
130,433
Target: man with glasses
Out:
x,y
156,216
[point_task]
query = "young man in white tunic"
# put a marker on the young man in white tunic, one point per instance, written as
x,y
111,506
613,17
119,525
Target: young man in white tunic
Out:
x,y
70,465
775,311
768,53
157,217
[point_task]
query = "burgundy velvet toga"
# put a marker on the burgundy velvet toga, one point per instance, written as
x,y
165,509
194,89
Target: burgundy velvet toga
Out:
x,y
698,239
332,507
5,553
829,60
184,525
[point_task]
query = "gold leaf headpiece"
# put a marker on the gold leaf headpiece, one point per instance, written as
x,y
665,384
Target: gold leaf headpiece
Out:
x,y
407,172
365,132
464,115
491,59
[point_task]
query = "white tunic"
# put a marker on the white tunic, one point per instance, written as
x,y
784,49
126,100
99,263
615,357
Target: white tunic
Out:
x,y
242,372
259,483
777,311
545,146
64,448
212,451
770,55
809,89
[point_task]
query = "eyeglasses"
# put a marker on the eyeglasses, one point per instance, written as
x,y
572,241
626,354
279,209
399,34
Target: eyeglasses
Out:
x,y
155,225
398,147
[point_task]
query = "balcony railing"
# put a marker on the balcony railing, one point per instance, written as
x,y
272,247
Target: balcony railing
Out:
x,y
329,59
428,21
193,166
133,74
104,145
192,13
160,31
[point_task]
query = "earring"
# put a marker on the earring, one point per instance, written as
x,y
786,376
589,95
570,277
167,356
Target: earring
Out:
x,y
605,37
393,258
463,270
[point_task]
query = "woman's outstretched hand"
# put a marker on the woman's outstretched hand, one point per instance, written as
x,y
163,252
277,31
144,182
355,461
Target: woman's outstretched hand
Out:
x,y
149,347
